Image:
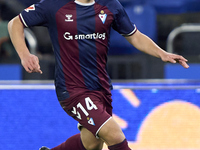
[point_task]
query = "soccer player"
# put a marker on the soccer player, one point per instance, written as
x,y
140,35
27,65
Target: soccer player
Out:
x,y
80,31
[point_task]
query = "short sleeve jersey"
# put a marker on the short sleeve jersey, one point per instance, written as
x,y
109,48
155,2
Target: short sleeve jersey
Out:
x,y
80,37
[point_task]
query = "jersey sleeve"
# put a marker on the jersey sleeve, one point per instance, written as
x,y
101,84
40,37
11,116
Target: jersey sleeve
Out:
x,y
122,23
35,15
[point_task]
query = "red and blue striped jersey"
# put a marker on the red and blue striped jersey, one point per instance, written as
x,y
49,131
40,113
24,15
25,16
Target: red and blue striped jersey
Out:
x,y
80,37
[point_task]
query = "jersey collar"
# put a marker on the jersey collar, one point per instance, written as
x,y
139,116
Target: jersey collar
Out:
x,y
84,4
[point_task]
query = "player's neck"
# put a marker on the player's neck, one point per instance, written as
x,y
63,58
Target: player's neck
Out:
x,y
85,1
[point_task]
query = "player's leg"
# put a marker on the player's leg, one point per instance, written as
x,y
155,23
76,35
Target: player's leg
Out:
x,y
72,143
110,133
100,123
94,113
84,141
89,141
113,136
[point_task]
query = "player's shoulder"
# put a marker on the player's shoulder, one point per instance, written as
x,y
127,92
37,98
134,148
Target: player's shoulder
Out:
x,y
112,5
51,5
46,3
108,2
54,2
49,2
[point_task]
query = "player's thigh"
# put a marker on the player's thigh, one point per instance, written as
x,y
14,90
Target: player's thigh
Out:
x,y
111,133
89,141
90,110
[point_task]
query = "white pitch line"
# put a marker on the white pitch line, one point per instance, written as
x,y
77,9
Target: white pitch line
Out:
x,y
156,87
27,87
52,87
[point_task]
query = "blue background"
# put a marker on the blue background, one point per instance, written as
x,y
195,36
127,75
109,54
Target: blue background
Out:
x,y
30,119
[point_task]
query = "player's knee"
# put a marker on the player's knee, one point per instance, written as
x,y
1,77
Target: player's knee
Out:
x,y
115,138
94,146
89,141
111,133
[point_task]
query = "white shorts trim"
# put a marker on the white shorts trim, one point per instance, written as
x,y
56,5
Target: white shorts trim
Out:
x,y
79,126
101,127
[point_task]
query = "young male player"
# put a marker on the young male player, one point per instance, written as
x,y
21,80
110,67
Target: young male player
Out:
x,y
80,31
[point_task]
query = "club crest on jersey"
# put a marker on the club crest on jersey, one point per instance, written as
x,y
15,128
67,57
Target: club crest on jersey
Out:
x,y
30,8
103,16
91,121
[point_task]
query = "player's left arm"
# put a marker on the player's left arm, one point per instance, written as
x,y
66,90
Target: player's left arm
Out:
x,y
29,61
146,45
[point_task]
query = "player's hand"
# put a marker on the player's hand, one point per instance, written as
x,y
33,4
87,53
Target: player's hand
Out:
x,y
173,58
31,64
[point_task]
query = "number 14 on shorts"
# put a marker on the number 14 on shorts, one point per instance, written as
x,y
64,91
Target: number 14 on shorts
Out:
x,y
89,106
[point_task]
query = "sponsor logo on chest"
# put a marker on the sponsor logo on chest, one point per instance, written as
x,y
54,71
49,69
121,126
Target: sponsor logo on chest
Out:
x,y
68,36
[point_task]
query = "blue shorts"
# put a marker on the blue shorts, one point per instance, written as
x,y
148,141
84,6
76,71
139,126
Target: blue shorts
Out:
x,y
92,109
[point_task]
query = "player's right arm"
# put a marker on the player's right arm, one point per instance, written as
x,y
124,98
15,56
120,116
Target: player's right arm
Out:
x,y
147,45
29,61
